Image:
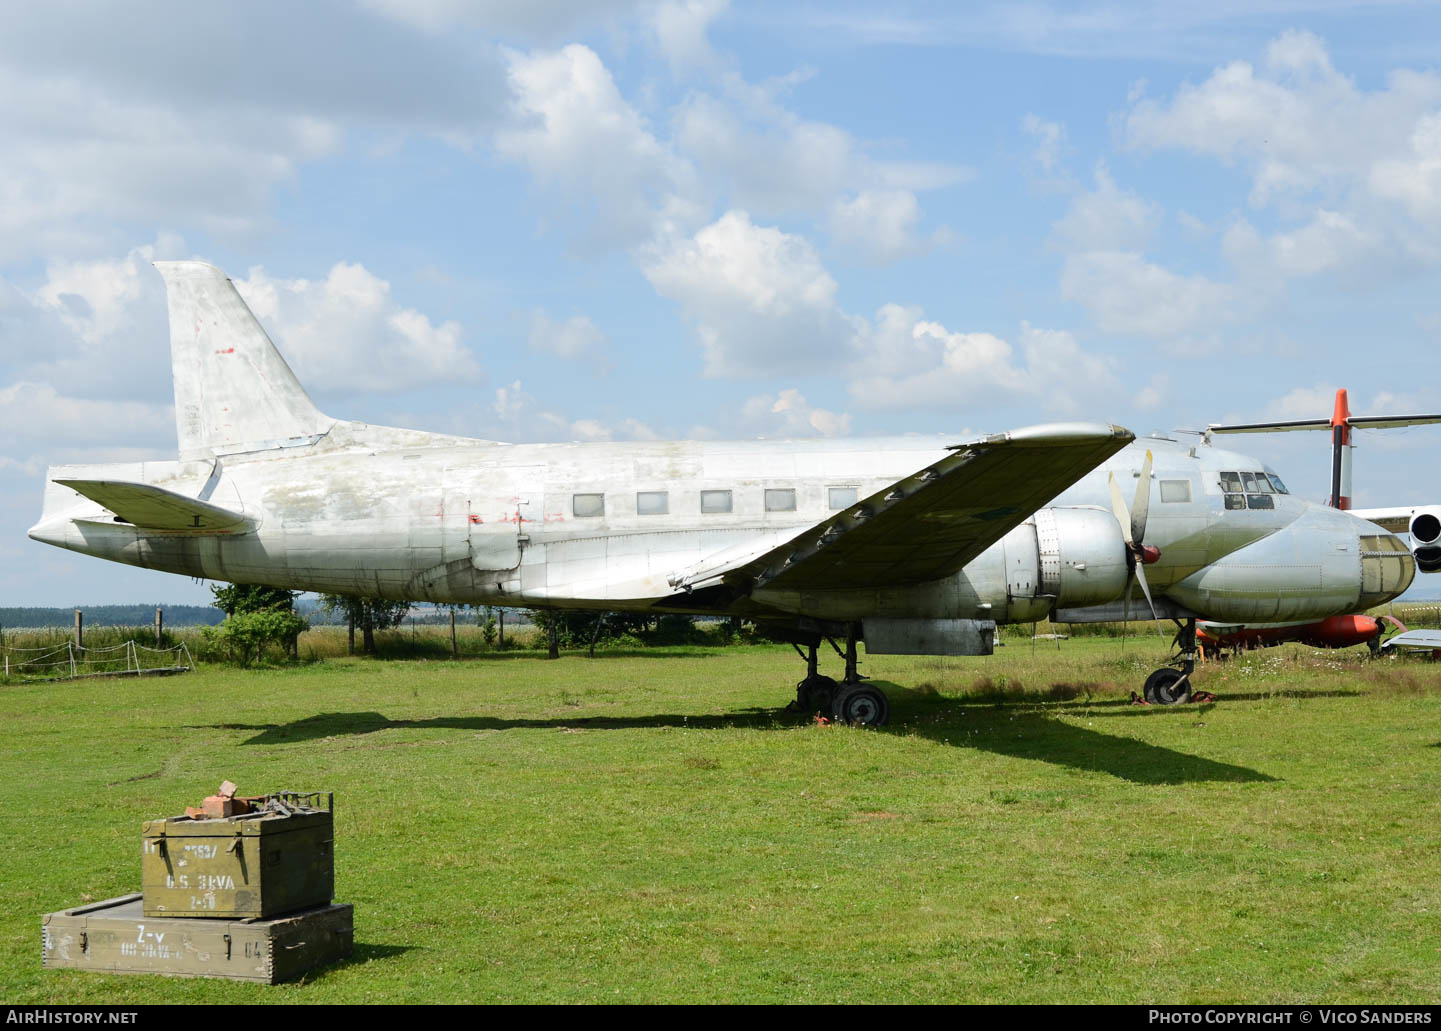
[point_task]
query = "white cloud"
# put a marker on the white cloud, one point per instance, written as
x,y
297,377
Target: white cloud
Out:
x,y
880,225
345,333
38,418
680,28
1155,394
1414,179
1125,293
1362,166
579,136
517,416
98,327
1108,218
1050,141
762,157
915,363
190,115
545,19
760,299
1330,241
575,339
789,414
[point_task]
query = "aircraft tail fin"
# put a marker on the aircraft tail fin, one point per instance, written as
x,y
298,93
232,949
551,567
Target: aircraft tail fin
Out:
x,y
234,393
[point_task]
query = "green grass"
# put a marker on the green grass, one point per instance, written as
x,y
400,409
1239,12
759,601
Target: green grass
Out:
x,y
648,827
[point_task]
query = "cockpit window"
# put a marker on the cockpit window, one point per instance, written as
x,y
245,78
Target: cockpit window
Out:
x,y
1260,501
1249,479
1276,482
1263,483
1231,483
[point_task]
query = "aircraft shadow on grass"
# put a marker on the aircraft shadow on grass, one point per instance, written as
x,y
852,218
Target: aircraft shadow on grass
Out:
x,y
1017,729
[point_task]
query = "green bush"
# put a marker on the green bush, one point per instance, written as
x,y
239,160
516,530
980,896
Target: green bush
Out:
x,y
242,637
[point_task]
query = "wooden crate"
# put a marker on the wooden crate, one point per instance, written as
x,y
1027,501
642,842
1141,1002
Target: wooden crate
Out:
x,y
256,865
116,937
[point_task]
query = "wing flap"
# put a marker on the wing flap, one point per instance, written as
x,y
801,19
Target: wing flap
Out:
x,y
155,508
931,523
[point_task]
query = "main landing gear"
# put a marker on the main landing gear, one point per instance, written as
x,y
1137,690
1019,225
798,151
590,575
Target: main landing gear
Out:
x,y
849,701
1171,685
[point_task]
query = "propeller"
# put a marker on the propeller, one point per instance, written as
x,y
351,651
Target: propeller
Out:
x,y
1133,531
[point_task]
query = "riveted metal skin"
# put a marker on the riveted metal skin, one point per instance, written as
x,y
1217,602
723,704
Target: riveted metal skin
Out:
x,y
257,865
116,937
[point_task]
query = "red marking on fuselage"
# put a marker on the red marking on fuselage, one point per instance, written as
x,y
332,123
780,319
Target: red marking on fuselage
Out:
x,y
228,350
476,519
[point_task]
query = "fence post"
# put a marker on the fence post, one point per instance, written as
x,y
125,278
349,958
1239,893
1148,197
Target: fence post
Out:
x,y
350,642
79,629
454,651
71,649
159,626
500,614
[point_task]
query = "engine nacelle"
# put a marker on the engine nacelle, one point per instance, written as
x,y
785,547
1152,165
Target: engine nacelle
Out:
x,y
1064,557
1425,530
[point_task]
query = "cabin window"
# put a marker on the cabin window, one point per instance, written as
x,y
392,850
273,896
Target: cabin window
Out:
x,y
1276,482
587,506
714,501
1175,490
842,497
652,502
781,500
1260,501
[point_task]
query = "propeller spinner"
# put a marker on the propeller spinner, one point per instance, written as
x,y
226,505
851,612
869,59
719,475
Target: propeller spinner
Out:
x,y
1133,531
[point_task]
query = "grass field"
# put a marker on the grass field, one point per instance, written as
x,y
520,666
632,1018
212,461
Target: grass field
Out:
x,y
647,827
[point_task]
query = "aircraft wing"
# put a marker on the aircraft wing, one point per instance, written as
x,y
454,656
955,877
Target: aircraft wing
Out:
x,y
154,508
1394,520
931,523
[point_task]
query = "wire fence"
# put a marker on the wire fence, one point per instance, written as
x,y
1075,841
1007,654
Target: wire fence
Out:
x,y
70,661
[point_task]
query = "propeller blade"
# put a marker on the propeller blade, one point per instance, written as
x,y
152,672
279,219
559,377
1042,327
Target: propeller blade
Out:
x,y
1118,506
1140,568
1143,502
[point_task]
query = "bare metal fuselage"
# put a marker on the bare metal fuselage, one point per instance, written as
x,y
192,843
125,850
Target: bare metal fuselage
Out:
x,y
403,515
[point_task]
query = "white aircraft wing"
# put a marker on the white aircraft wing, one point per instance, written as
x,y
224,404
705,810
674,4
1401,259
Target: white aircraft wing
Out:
x,y
931,523
155,508
1395,520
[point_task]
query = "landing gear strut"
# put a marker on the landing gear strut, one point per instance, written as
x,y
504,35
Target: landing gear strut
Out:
x,y
1171,685
815,693
850,701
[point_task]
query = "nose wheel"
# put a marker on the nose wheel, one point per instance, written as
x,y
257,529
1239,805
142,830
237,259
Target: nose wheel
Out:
x,y
1171,684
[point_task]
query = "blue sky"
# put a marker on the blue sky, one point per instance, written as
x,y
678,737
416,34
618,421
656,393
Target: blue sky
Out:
x,y
687,218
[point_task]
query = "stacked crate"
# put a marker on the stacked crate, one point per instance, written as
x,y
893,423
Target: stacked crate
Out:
x,y
244,896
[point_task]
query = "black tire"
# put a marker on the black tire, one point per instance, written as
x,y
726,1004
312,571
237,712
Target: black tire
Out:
x,y
1164,687
861,706
819,694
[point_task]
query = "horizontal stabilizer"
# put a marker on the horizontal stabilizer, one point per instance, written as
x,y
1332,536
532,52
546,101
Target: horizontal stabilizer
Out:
x,y
154,508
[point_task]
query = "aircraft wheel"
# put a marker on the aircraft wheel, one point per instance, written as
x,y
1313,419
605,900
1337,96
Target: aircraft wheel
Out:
x,y
1164,687
819,694
861,706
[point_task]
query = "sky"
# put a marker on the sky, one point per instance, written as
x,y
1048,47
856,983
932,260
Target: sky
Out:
x,y
613,220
